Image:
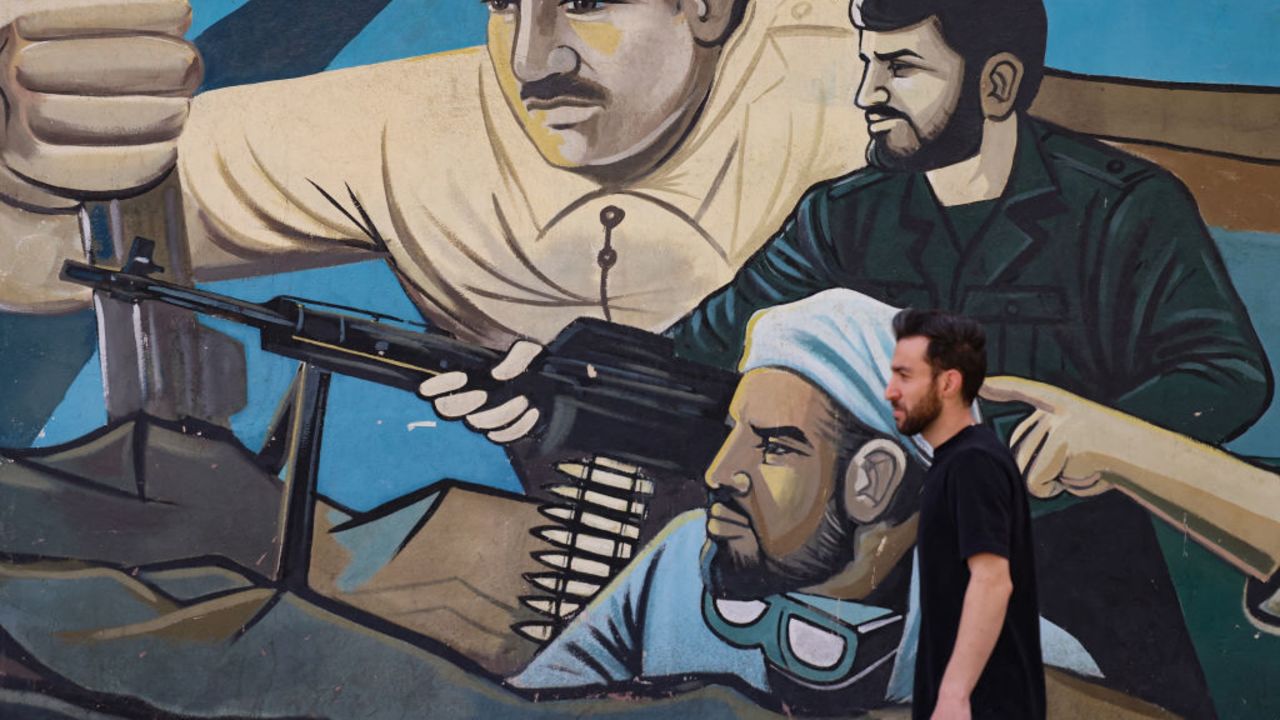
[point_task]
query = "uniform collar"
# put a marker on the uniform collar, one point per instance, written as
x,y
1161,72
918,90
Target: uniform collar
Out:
x,y
1031,196
1031,182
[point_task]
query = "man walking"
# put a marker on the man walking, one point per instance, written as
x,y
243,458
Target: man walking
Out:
x,y
979,649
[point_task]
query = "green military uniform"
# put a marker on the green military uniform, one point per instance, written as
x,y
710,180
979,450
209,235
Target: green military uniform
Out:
x,y
1093,273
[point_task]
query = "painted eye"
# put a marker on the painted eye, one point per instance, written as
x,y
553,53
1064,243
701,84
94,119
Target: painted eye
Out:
x,y
581,7
500,6
777,449
899,69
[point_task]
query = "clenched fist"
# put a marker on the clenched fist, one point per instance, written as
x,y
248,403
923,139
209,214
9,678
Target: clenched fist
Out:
x,y
96,93
1069,442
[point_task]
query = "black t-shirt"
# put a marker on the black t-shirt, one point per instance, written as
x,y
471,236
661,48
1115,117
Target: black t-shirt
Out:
x,y
974,502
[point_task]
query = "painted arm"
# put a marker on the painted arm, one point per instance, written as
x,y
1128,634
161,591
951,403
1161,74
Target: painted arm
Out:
x,y
986,599
791,266
94,96
1069,443
1174,343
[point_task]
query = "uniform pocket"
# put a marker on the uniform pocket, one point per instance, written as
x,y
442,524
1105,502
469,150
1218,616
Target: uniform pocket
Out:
x,y
1022,323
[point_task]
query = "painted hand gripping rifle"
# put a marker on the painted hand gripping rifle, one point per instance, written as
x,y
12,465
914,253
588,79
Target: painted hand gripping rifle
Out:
x,y
625,424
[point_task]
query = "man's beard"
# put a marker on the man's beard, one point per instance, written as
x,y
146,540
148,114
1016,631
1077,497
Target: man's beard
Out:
x,y
735,576
954,137
923,414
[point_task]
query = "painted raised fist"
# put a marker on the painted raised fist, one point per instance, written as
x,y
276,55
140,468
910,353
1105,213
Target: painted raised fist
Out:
x,y
96,93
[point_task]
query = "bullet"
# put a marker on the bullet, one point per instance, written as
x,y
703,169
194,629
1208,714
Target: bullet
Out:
x,y
535,631
591,520
564,561
616,465
594,498
557,584
602,547
594,474
552,607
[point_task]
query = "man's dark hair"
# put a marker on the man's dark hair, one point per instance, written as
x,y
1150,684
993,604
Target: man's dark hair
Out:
x,y
955,343
976,29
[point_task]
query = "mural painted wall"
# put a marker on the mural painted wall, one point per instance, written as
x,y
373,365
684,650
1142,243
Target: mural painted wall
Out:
x,y
530,358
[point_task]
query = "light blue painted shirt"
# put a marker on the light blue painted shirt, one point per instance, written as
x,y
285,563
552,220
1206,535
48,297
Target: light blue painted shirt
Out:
x,y
647,624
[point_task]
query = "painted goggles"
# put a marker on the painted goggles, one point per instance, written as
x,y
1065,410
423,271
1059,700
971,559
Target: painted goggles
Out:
x,y
813,645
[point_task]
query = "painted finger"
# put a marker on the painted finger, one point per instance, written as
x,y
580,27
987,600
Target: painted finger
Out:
x,y
99,121
1045,468
17,191
1030,448
457,405
518,429
1007,388
519,355
1085,486
442,383
499,417
145,65
50,19
88,169
1025,428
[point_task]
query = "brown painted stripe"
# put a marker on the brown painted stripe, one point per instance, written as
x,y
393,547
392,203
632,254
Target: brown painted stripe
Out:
x,y
1232,194
1239,121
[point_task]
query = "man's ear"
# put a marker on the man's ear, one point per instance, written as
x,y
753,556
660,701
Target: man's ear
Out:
x,y
872,478
1001,78
952,383
712,20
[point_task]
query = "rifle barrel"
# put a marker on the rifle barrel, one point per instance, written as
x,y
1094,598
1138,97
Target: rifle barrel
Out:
x,y
134,288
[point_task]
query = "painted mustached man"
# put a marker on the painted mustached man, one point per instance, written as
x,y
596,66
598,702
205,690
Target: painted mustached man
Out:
x,y
484,172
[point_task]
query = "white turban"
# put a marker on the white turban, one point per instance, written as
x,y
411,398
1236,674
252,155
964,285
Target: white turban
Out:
x,y
841,341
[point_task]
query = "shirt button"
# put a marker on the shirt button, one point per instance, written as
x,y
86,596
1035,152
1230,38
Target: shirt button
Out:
x,y
1011,309
1115,166
607,258
801,10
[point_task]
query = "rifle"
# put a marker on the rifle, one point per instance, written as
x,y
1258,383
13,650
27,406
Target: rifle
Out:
x,y
601,388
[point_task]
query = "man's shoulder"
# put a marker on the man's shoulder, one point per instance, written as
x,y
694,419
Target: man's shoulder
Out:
x,y
334,128
839,193
671,558
981,447
863,180
1079,158
688,529
436,84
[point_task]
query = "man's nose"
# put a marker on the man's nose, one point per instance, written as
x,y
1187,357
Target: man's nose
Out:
x,y
872,90
540,50
726,472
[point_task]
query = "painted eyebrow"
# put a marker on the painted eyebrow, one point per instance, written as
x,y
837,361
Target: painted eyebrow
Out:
x,y
886,57
782,431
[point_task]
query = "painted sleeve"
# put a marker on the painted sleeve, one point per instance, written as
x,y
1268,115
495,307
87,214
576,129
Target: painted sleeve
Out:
x,y
603,645
1181,342
795,264
271,173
